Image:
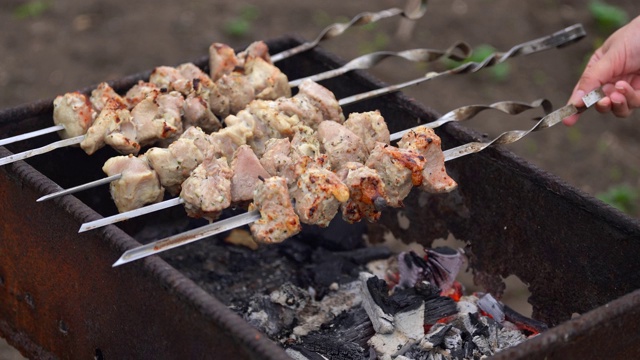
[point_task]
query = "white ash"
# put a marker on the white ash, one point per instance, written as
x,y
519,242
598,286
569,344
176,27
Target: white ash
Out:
x,y
382,322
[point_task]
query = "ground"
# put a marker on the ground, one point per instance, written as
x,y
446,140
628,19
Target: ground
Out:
x,y
51,47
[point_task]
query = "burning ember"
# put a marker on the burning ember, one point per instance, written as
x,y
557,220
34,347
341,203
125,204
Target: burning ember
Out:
x,y
340,300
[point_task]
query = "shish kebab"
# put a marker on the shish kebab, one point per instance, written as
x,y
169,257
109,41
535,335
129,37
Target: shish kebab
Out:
x,y
155,113
456,52
560,38
327,33
268,193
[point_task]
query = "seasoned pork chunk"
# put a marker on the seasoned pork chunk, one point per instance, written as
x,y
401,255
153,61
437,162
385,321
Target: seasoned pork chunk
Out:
x,y
276,160
208,190
400,169
113,126
317,192
278,221
74,111
323,99
175,163
233,93
158,117
341,144
247,172
101,94
370,127
138,185
222,60
367,194
164,76
303,107
254,50
268,82
139,92
229,138
434,175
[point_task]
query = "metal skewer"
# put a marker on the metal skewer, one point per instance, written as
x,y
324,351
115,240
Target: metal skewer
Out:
x,y
364,18
558,39
370,60
459,114
249,217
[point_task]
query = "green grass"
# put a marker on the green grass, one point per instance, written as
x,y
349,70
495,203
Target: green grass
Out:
x,y
31,9
240,25
623,197
607,17
499,72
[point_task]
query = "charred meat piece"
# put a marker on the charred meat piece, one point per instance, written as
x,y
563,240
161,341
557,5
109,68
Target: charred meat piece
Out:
x,y
400,169
139,92
208,190
340,144
434,175
113,126
318,193
139,184
158,117
370,127
74,112
175,163
278,220
247,172
103,93
367,194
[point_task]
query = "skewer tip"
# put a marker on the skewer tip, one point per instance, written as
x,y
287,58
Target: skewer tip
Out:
x,y
120,261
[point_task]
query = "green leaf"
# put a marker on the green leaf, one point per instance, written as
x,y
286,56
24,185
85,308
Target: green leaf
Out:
x,y
31,9
608,17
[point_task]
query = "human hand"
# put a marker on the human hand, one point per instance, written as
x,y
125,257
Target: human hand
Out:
x,y
616,67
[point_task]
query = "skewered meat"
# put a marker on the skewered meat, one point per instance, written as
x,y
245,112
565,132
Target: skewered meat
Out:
x,y
103,93
113,126
139,92
247,171
323,99
276,160
400,169
318,192
367,193
340,144
139,185
74,112
208,190
222,60
158,117
370,127
278,220
434,174
175,163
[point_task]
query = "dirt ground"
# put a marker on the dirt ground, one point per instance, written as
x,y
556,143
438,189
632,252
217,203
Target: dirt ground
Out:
x,y
51,47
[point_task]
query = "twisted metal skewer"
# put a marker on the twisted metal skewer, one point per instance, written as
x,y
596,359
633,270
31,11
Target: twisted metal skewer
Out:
x,y
509,137
364,18
457,52
556,40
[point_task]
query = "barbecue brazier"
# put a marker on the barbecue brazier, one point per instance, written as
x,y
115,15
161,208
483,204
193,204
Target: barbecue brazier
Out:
x,y
60,297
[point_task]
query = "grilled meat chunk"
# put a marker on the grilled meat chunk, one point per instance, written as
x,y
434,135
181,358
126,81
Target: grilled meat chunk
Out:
x,y
175,163
247,172
318,192
367,193
139,184
208,190
101,94
113,126
74,111
323,99
276,160
400,169
370,127
340,144
278,220
434,175
158,117
139,92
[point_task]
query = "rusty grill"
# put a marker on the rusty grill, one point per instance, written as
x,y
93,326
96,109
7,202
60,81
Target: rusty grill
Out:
x,y
60,297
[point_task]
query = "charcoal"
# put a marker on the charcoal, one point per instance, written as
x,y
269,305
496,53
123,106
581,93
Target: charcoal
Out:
x,y
271,318
444,265
491,306
380,294
439,308
528,325
352,326
436,336
338,236
300,353
332,348
374,293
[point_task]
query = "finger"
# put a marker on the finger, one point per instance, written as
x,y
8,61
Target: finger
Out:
x,y
619,105
604,105
598,72
571,120
631,95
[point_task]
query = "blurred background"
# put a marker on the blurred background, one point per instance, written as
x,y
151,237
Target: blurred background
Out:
x,y
49,47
